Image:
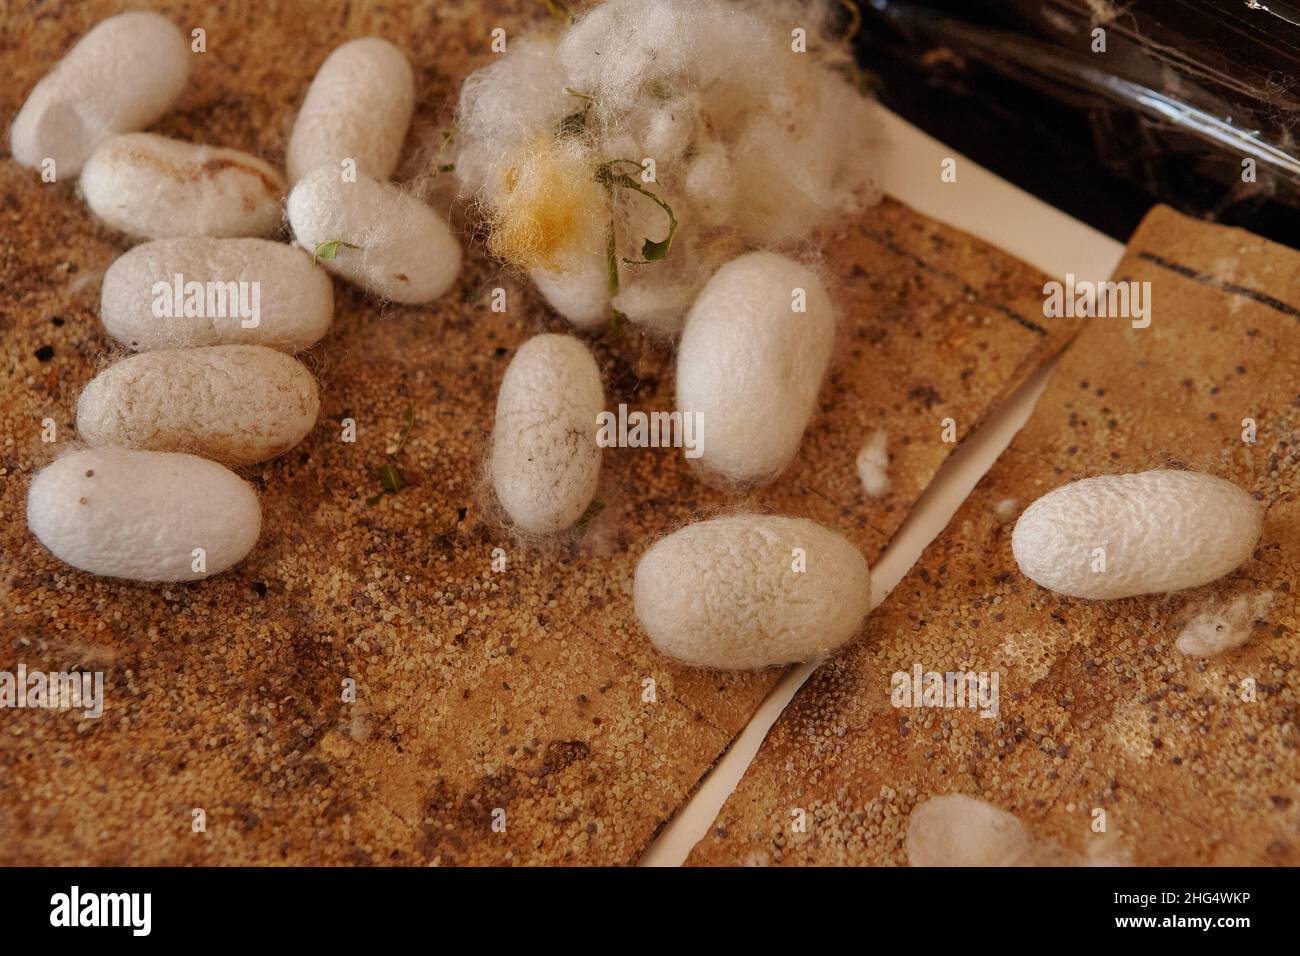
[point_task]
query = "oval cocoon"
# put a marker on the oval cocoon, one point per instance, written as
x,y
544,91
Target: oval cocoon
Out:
x,y
955,830
752,365
545,461
581,296
358,107
1157,531
237,404
157,188
120,77
406,252
142,514
729,592
294,300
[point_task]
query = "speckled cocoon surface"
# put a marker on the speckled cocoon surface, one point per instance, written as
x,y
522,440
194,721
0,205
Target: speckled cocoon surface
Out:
x,y
236,404
358,107
404,251
295,300
153,187
746,591
142,514
118,78
752,365
545,462
1117,536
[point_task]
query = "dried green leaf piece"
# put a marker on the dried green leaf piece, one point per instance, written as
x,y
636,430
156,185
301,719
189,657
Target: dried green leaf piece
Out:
x,y
588,516
617,320
611,262
560,11
391,478
855,19
329,250
651,250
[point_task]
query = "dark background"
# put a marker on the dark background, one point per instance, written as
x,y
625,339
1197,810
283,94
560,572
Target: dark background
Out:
x,y
1016,86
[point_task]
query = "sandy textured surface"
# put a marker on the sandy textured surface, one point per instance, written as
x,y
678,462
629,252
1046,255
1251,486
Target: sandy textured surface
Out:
x,y
521,690
1098,710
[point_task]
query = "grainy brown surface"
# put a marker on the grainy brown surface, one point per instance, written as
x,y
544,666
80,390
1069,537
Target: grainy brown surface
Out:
x,y
1098,709
476,690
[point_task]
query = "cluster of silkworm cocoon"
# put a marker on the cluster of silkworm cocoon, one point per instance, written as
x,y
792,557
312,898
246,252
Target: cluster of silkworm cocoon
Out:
x,y
665,161
621,160
213,384
742,150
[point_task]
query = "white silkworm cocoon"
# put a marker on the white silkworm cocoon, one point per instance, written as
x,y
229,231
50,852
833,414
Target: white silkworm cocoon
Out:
x,y
581,296
711,185
1117,536
751,361
545,462
384,240
747,591
229,292
118,78
956,830
157,188
143,515
237,404
358,107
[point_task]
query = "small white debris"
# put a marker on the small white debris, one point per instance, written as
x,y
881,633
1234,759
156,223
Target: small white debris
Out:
x,y
873,465
1223,627
956,830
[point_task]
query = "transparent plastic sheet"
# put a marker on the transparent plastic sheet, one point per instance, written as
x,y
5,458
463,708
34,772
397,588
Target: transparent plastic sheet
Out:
x,y
1181,97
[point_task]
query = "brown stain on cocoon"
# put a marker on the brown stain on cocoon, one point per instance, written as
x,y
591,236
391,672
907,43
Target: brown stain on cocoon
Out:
x,y
157,188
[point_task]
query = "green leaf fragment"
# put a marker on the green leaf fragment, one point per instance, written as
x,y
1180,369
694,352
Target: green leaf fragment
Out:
x,y
611,262
652,250
588,516
329,250
391,479
855,19
616,321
